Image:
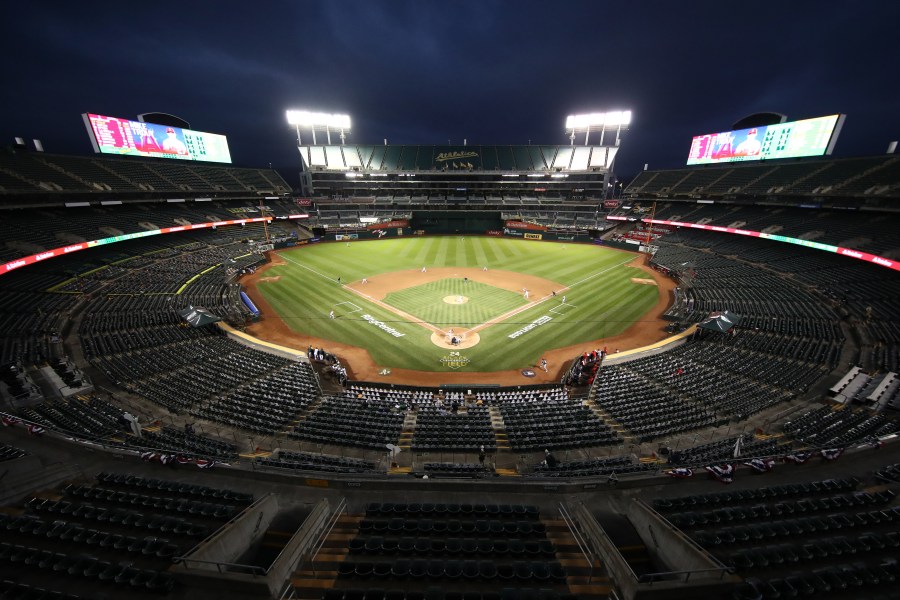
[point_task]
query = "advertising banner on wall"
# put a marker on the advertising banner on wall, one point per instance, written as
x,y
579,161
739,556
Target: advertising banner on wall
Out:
x,y
389,224
524,225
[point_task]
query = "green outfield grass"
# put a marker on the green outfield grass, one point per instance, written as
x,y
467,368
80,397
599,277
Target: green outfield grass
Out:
x,y
601,299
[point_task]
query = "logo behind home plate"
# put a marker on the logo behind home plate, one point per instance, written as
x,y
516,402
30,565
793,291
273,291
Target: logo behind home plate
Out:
x,y
454,360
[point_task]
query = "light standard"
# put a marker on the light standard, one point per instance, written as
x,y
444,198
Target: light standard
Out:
x,y
313,121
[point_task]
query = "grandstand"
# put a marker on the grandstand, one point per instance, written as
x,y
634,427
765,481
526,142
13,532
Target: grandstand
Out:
x,y
197,463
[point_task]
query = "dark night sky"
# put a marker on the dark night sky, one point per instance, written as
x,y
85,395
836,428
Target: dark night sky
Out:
x,y
423,71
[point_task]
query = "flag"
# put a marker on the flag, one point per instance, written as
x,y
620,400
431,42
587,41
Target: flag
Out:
x,y
205,464
680,472
34,429
148,456
797,458
738,446
832,453
9,421
761,465
724,473
183,460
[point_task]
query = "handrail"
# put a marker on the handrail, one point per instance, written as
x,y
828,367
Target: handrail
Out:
x,y
661,575
253,569
332,521
722,568
579,539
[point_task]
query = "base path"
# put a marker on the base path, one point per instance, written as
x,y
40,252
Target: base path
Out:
x,y
359,362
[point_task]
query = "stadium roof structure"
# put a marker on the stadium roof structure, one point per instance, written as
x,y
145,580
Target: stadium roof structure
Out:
x,y
362,170
493,158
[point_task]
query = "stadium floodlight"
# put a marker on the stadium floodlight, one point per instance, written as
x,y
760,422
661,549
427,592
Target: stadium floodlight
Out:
x,y
320,121
613,120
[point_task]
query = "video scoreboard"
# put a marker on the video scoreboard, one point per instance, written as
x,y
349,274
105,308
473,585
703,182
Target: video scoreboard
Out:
x,y
112,135
792,139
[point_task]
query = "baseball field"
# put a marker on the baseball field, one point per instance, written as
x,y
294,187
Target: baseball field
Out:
x,y
465,304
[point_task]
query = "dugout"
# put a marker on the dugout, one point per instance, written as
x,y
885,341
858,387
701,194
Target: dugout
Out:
x,y
456,222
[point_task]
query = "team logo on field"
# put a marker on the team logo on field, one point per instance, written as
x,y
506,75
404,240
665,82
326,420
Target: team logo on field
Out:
x,y
454,360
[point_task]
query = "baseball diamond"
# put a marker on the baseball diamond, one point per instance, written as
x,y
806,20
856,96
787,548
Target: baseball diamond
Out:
x,y
498,327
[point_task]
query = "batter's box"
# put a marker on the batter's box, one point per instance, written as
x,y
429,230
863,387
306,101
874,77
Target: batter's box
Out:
x,y
561,309
349,308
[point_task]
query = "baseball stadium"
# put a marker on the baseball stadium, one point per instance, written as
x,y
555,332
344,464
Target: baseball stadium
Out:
x,y
450,372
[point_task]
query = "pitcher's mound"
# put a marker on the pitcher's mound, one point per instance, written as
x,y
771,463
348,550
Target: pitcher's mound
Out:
x,y
456,299
443,341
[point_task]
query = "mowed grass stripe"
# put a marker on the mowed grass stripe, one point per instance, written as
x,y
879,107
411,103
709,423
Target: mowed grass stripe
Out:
x,y
479,252
602,305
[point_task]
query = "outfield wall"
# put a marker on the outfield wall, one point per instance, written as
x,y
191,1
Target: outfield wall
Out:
x,y
455,222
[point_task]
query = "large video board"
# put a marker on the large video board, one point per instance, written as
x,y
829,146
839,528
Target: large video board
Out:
x,y
111,135
809,137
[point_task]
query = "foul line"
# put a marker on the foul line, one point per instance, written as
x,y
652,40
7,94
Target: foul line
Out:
x,y
410,318
302,266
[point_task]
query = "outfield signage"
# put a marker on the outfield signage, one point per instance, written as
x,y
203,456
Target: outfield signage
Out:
x,y
383,326
871,258
536,323
62,251
389,224
524,225
532,236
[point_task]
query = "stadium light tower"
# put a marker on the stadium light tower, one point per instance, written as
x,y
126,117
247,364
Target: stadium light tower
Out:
x,y
320,121
609,121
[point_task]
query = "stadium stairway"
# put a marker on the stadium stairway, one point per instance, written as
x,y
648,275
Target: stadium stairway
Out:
x,y
499,428
314,579
608,420
303,415
408,431
583,579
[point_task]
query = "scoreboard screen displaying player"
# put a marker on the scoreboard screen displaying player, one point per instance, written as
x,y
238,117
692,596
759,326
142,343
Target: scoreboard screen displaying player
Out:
x,y
810,137
111,135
